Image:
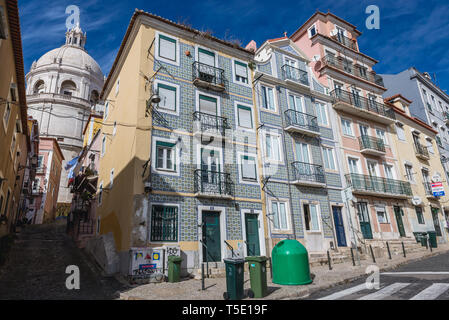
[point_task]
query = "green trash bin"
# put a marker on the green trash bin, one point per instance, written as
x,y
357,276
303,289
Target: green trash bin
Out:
x,y
417,236
174,269
234,279
258,276
432,239
290,264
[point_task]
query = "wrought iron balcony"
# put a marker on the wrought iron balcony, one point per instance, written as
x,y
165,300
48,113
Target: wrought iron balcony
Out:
x,y
363,107
347,42
208,77
212,184
209,124
365,184
421,151
356,70
371,145
308,174
295,74
301,122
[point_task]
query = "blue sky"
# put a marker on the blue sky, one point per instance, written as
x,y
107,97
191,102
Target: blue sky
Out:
x,y
412,32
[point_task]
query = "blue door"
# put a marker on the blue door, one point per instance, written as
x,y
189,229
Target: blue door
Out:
x,y
339,227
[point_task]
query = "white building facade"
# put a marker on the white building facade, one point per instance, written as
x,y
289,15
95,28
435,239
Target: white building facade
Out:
x,y
63,87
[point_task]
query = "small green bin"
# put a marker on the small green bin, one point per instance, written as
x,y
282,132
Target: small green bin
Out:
x,y
258,276
174,269
235,274
432,239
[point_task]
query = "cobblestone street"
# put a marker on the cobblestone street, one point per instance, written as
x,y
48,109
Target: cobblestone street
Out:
x,y
35,268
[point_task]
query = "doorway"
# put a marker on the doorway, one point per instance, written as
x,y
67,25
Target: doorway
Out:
x,y
339,227
365,225
252,235
399,213
211,236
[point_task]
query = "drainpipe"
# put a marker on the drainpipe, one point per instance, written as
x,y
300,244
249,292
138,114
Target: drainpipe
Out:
x,y
287,164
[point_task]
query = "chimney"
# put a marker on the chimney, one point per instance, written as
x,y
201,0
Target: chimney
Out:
x,y
252,46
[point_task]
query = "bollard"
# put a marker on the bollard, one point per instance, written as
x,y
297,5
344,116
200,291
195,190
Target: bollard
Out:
x,y
352,256
372,253
428,241
389,252
202,277
329,260
271,268
403,249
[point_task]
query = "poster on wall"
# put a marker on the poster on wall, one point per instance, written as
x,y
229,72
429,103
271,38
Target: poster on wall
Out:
x,y
151,262
438,189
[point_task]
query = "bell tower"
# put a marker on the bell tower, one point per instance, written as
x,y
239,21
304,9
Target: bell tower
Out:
x,y
75,37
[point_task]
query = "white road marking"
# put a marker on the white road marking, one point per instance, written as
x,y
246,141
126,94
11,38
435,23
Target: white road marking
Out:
x,y
432,292
385,292
413,273
346,292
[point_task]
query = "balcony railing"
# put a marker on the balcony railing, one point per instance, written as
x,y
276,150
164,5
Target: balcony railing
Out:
x,y
367,142
206,122
347,42
308,172
301,120
213,183
428,188
360,182
421,150
362,103
295,74
208,74
348,67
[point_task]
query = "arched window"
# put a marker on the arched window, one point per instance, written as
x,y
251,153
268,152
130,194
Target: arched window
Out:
x,y
39,87
94,97
68,88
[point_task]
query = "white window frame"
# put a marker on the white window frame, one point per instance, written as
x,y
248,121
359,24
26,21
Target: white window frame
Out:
x,y
429,145
309,30
117,86
100,194
239,164
197,103
103,145
393,170
176,150
106,111
412,176
297,95
156,49
326,115
387,221
332,150
359,164
178,97
262,108
281,151
236,104
6,121
114,130
166,204
234,75
111,178
401,126
350,126
287,215
386,142
318,208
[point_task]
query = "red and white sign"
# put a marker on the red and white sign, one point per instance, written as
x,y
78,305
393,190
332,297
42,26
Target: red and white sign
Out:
x,y
438,189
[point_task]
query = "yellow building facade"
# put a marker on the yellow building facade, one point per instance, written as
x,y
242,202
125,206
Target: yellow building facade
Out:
x,y
14,138
420,164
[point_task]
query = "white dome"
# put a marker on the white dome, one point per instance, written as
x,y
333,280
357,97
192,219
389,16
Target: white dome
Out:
x,y
72,56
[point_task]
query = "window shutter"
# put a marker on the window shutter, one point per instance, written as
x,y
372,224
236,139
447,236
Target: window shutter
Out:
x,y
241,69
208,105
245,116
167,48
168,97
206,57
249,167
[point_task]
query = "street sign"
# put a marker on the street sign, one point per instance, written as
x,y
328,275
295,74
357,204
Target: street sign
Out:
x,y
438,189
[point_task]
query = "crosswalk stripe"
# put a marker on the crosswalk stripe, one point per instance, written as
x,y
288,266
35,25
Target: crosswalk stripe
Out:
x,y
432,292
346,292
385,292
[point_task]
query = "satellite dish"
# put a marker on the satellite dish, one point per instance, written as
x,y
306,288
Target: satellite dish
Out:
x,y
436,178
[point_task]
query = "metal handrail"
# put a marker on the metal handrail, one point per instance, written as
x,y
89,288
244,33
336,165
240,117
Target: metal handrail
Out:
x,y
308,172
207,73
362,103
295,74
303,120
347,66
368,142
378,184
212,182
230,247
211,122
347,42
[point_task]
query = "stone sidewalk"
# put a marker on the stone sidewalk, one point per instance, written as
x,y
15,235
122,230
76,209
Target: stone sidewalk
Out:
x,y
324,278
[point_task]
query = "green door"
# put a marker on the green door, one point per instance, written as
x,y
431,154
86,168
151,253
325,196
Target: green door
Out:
x,y
365,225
436,221
252,235
211,236
398,214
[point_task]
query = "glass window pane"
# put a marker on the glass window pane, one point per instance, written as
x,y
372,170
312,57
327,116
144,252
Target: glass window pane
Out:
x,y
274,208
314,218
283,215
168,97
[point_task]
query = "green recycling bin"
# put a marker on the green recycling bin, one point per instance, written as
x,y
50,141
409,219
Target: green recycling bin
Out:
x,y
174,269
432,239
258,276
290,264
234,279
